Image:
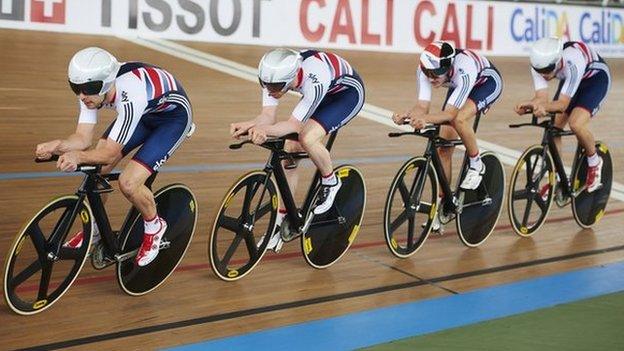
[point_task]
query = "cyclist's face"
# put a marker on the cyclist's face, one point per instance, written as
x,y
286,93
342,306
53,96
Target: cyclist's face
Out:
x,y
437,81
91,101
550,75
276,90
276,93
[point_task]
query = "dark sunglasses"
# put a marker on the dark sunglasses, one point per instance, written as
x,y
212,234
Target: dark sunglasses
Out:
x,y
273,87
88,88
546,70
435,72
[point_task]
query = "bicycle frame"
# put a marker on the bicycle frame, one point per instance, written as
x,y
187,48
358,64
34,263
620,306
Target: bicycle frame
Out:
x,y
274,166
89,190
433,158
548,143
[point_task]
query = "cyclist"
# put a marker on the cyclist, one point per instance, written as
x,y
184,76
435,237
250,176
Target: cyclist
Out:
x,y
584,83
473,83
332,95
152,110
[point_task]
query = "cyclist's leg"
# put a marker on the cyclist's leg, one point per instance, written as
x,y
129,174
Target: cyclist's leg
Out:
x,y
138,137
561,119
460,127
591,92
291,170
161,136
585,104
168,130
462,123
333,112
446,153
131,183
311,139
579,124
480,99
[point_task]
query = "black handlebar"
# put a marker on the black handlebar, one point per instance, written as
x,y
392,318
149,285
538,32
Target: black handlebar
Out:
x,y
268,142
80,168
427,128
548,124
43,160
239,145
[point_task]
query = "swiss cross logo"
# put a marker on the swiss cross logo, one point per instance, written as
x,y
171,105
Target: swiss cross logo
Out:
x,y
47,11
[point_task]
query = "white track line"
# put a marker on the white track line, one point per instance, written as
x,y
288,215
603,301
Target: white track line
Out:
x,y
374,113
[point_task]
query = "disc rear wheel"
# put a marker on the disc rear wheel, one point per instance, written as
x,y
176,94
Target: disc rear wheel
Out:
x,y
481,207
331,234
588,208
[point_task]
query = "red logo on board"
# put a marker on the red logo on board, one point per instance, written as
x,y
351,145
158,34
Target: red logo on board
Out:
x,y
47,11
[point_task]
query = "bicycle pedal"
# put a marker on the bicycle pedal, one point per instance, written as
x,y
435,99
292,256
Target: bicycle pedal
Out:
x,y
287,234
439,231
445,218
99,260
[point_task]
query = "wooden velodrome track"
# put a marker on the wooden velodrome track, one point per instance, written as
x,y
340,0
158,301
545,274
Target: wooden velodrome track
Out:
x,y
193,305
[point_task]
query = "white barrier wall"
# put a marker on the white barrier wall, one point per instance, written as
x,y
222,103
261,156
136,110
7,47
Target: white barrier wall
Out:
x,y
495,28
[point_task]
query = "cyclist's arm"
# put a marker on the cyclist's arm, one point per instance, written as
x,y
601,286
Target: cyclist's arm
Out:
x,y
449,113
424,96
129,114
541,96
420,108
422,104
313,95
292,125
81,139
83,136
106,153
559,105
464,80
268,115
573,70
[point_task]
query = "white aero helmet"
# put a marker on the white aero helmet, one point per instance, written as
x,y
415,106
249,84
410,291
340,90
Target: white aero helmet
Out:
x,y
92,71
546,54
278,68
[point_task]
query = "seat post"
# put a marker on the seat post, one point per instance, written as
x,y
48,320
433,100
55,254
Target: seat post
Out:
x,y
475,124
330,141
150,180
